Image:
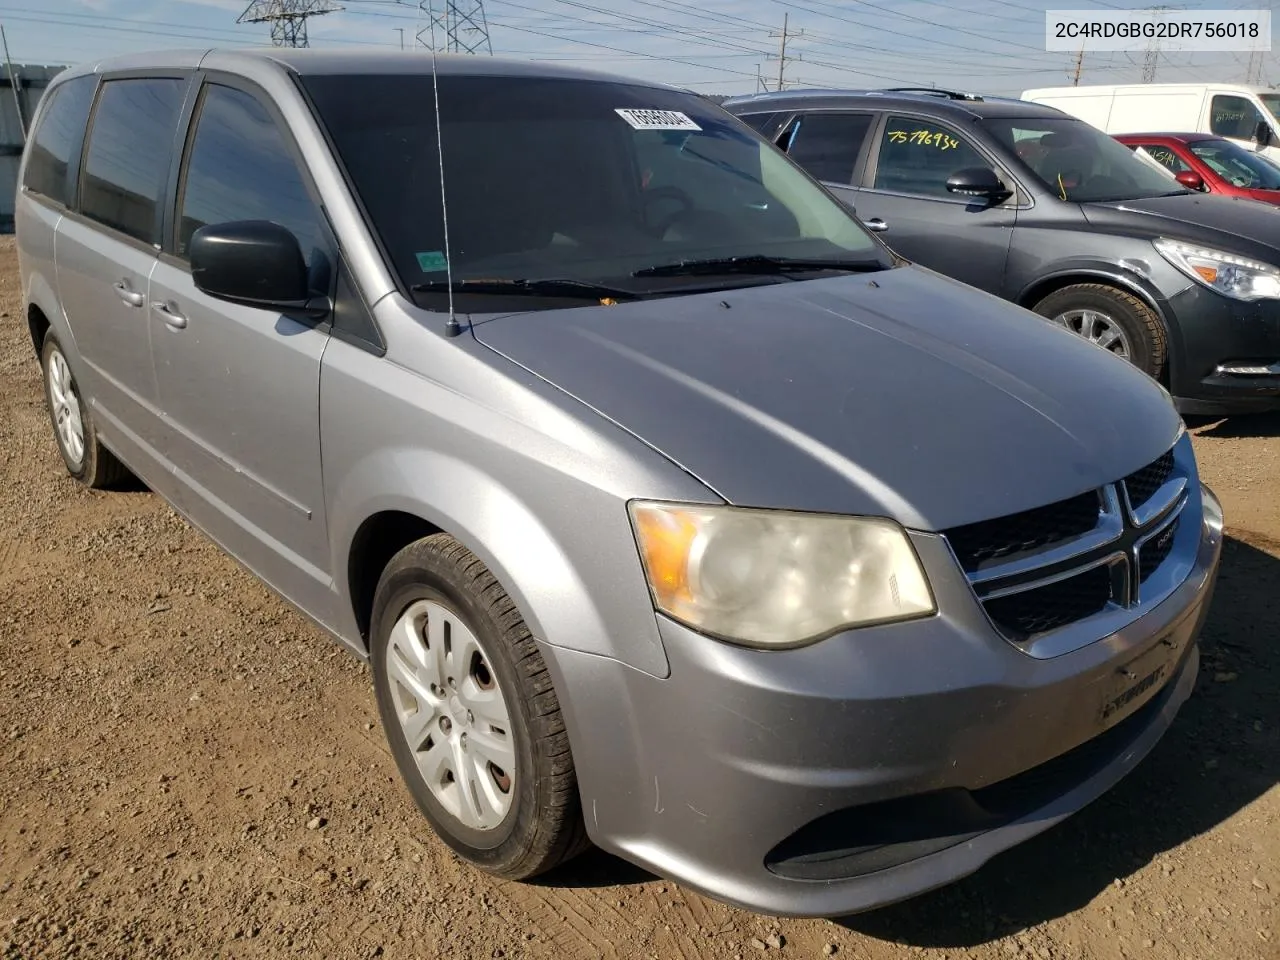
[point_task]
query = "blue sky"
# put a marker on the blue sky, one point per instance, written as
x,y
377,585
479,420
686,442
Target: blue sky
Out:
x,y
716,46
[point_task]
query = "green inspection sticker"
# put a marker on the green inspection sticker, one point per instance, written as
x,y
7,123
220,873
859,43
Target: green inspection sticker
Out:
x,y
431,261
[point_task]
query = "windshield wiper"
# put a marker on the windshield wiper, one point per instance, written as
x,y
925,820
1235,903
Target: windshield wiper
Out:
x,y
548,287
754,264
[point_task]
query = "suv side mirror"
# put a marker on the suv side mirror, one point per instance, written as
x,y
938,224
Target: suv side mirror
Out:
x,y
1263,135
1190,179
254,263
978,182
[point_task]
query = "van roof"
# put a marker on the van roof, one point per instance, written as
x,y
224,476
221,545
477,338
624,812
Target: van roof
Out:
x,y
1102,88
311,61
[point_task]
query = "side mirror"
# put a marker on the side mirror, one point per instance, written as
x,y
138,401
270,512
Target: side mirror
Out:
x,y
254,263
1190,179
1263,135
978,182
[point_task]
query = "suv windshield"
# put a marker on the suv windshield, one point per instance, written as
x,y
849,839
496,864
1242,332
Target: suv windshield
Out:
x,y
551,180
1236,165
1080,163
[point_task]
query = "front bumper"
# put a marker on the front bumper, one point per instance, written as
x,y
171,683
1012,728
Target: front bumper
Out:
x,y
1227,354
876,765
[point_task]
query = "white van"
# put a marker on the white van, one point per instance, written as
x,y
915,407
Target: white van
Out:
x,y
1229,110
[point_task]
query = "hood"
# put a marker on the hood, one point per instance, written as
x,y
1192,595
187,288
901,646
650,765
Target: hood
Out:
x,y
900,393
1239,223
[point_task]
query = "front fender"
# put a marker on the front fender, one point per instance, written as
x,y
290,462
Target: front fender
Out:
x,y
561,602
1136,276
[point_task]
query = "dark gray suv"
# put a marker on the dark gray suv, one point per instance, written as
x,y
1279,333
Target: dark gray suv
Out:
x,y
1039,208
672,511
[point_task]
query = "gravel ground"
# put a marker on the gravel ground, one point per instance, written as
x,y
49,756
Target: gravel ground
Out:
x,y
189,769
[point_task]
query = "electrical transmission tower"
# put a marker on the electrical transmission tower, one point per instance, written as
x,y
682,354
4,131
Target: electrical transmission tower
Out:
x,y
461,24
1254,73
288,18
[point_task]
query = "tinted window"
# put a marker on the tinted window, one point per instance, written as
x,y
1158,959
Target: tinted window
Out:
x,y
1079,163
827,144
552,178
759,121
61,127
919,156
130,147
1236,165
240,168
1233,117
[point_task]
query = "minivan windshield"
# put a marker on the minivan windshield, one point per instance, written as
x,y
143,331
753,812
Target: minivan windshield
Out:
x,y
1236,165
1079,162
577,189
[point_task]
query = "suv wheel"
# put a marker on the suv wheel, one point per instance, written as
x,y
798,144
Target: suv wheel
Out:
x,y
470,713
87,460
1114,320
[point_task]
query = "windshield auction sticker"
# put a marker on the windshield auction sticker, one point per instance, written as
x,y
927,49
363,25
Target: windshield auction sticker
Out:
x,y
657,119
1163,29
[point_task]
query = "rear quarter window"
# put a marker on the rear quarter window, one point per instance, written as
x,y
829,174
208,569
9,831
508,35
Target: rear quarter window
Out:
x,y
57,136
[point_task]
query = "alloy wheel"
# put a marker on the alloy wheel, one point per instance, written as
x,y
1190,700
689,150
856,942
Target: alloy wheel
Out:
x,y
66,408
1098,328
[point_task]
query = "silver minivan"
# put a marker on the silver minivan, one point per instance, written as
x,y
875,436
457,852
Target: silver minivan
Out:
x,y
673,511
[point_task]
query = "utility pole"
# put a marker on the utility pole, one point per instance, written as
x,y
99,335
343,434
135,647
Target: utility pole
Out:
x,y
1075,82
782,49
13,84
288,18
400,30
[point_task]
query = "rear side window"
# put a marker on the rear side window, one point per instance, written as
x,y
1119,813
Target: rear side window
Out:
x,y
129,151
827,144
759,121
54,140
1233,117
240,168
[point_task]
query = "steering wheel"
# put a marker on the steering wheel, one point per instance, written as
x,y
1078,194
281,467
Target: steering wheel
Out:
x,y
686,202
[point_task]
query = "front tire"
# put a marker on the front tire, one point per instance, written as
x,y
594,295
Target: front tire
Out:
x,y
470,713
86,459
1113,320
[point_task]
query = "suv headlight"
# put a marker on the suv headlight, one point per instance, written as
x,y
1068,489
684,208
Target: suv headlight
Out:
x,y
770,578
1237,277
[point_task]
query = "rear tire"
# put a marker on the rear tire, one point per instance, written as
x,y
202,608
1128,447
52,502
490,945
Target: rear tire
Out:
x,y
86,459
461,686
1114,320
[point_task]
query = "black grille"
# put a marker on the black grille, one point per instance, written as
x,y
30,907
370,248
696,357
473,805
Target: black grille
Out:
x,y
978,543
1155,551
1143,484
1022,615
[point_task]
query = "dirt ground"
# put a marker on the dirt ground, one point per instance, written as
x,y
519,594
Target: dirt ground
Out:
x,y
189,769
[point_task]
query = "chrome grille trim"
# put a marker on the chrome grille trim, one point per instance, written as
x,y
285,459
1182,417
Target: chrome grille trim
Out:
x,y
1117,542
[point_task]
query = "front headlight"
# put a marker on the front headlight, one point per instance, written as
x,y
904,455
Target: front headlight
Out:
x,y
1225,273
769,578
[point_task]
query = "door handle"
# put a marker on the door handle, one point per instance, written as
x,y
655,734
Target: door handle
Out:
x,y
170,314
876,225
131,297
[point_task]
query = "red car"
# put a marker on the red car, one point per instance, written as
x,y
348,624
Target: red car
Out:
x,y
1202,161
